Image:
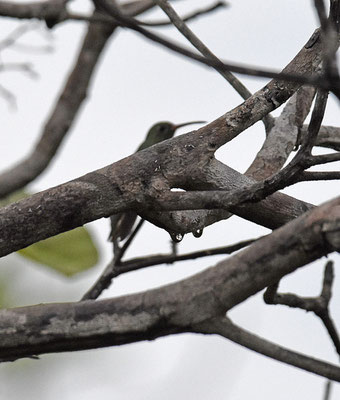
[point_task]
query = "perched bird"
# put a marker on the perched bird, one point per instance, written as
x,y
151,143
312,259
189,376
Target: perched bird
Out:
x,y
121,224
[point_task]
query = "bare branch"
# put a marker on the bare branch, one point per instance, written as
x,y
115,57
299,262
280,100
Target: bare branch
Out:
x,y
328,389
198,145
285,76
329,30
226,328
9,97
318,305
328,136
120,187
63,115
12,38
115,269
318,176
296,78
324,159
282,138
201,47
221,199
177,307
206,52
189,17
19,67
258,190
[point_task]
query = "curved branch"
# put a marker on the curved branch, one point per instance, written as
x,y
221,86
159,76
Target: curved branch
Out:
x,y
114,269
282,138
68,104
63,115
225,327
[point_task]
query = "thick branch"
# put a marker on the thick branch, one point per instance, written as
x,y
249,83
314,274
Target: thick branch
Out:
x,y
174,308
135,180
131,183
272,212
308,60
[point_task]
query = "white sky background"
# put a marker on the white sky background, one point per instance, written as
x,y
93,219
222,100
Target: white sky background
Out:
x,y
139,83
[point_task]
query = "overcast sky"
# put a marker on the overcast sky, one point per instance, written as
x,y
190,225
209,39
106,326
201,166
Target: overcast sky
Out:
x,y
139,83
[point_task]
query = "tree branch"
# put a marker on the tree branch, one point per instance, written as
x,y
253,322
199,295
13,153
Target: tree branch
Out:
x,y
123,186
225,327
318,176
177,307
318,305
115,269
189,17
105,191
45,10
328,136
67,107
295,78
282,138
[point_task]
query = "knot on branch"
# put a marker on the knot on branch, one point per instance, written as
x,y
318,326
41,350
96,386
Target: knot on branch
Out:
x,y
54,12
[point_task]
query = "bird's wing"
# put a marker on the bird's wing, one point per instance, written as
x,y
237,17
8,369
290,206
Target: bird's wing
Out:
x,y
121,225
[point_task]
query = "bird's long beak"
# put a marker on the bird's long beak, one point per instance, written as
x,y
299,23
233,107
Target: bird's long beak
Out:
x,y
189,123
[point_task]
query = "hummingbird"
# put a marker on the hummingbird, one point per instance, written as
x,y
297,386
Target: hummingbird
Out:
x,y
122,223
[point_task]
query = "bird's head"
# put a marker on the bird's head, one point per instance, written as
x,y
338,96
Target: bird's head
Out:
x,y
162,131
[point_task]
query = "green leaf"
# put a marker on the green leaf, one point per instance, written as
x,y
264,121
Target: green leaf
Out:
x,y
68,253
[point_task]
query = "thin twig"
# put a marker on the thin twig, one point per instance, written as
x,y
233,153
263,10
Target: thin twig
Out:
x,y
105,279
130,23
329,38
206,52
138,263
118,257
201,47
16,34
187,18
113,270
26,68
9,97
328,389
302,79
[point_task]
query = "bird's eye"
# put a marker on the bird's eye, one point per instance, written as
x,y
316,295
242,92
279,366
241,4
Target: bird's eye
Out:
x,y
162,128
